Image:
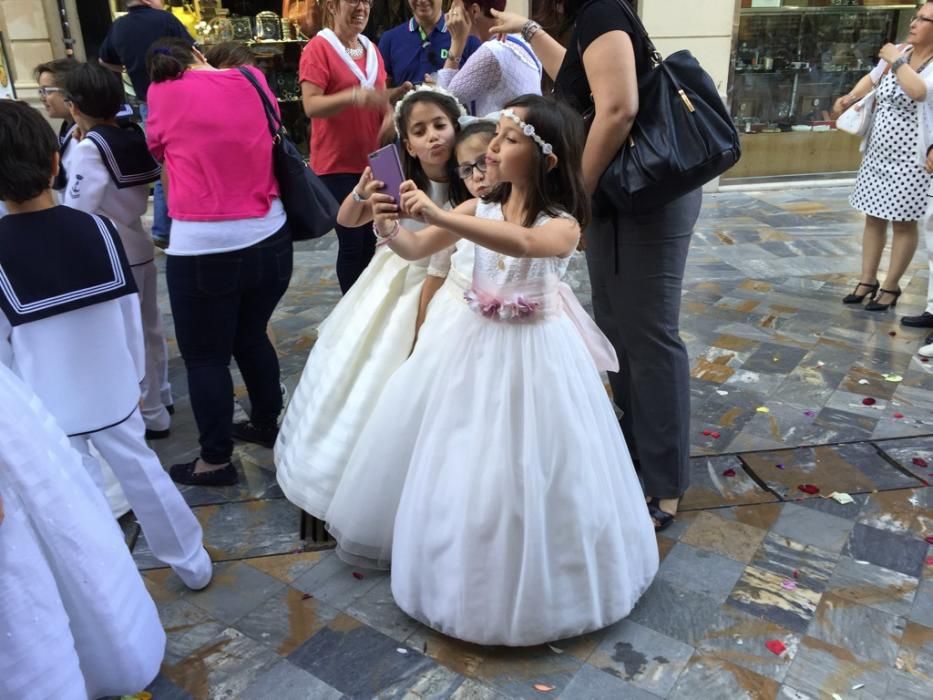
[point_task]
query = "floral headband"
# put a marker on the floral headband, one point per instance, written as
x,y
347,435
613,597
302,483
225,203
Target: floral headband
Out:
x,y
421,89
529,131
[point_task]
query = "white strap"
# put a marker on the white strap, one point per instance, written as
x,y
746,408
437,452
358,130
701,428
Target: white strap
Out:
x,y
367,81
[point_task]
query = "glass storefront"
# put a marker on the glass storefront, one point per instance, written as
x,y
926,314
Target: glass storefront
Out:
x,y
791,60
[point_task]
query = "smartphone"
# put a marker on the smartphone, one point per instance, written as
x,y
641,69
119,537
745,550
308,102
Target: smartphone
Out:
x,y
388,169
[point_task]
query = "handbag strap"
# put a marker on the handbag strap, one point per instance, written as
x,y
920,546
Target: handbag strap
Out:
x,y
636,20
273,119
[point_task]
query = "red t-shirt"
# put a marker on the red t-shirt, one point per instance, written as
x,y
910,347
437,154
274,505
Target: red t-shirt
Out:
x,y
340,143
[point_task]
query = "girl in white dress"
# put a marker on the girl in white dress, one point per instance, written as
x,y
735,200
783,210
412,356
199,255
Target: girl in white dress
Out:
x,y
76,620
492,471
371,331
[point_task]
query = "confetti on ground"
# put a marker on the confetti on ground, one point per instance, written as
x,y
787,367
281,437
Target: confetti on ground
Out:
x,y
400,650
841,498
306,596
924,359
863,381
729,472
776,646
919,462
892,378
898,415
556,650
809,488
541,688
820,363
929,561
795,573
892,333
357,575
809,413
869,401
858,686
929,539
707,433
836,696
788,585
763,409
721,392
779,466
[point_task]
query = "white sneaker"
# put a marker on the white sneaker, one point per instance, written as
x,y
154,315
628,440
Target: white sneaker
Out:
x,y
926,351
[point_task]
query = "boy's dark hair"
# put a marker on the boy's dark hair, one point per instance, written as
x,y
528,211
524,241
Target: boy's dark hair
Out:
x,y
561,188
27,148
230,54
458,189
411,167
95,90
59,68
168,58
486,6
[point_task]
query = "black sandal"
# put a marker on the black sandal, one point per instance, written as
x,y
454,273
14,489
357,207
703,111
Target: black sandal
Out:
x,y
662,517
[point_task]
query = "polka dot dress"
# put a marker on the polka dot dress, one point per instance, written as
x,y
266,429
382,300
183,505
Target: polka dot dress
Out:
x,y
891,184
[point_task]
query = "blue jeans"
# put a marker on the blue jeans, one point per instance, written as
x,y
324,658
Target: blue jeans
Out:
x,y
222,304
161,223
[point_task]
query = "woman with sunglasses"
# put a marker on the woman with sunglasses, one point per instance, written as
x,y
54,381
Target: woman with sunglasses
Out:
x,y
892,184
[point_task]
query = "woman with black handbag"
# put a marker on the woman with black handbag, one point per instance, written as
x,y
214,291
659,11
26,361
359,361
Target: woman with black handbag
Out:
x,y
636,261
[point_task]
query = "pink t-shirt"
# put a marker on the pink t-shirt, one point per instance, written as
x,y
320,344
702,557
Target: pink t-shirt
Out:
x,y
340,143
210,129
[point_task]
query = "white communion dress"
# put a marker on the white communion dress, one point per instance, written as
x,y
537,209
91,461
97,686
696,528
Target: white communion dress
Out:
x,y
367,336
76,620
493,475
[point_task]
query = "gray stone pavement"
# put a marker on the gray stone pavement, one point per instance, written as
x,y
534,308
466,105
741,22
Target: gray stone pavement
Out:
x,y
754,565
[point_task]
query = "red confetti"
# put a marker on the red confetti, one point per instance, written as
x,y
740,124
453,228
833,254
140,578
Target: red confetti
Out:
x,y
868,401
809,488
714,435
306,596
707,433
357,575
919,462
729,472
924,482
898,415
892,333
924,359
929,539
776,646
796,573
929,561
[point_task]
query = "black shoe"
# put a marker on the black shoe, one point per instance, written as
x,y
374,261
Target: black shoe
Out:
x,y
247,432
875,306
928,340
185,474
924,320
157,434
171,409
854,298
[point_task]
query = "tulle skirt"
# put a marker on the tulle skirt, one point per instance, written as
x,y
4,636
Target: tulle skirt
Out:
x,y
492,474
367,336
75,617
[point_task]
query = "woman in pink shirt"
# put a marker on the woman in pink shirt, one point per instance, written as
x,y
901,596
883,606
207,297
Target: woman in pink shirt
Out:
x,y
230,256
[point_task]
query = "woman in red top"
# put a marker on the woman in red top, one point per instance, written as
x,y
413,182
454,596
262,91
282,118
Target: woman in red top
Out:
x,y
343,88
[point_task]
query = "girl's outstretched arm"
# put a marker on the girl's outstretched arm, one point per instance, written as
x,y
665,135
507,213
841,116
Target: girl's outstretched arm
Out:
x,y
353,213
556,238
411,245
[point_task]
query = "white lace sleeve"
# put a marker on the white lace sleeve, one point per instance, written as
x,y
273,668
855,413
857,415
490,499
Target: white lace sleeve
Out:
x,y
439,263
479,76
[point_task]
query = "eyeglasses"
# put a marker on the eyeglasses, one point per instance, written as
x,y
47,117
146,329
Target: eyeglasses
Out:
x,y
46,91
921,18
357,3
465,171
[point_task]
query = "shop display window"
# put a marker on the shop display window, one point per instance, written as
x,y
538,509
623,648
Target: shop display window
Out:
x,y
791,60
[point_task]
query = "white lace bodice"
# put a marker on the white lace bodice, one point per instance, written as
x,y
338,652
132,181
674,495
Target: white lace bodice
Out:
x,y
494,271
497,72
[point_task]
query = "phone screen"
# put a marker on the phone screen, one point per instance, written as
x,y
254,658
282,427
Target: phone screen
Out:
x,y
387,168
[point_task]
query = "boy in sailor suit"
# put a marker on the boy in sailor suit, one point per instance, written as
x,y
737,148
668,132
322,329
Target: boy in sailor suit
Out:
x,y
109,174
70,328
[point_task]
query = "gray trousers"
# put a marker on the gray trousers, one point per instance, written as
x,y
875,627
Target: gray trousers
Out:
x,y
637,306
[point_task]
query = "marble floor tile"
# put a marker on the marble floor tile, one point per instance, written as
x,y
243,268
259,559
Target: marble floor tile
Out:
x,y
515,672
286,619
593,683
286,567
904,553
163,689
695,612
187,629
866,632
641,657
922,609
236,590
821,669
907,511
730,539
852,468
700,571
336,583
824,531
873,586
761,516
377,609
849,511
915,656
740,639
285,681
357,660
710,487
716,679
903,686
435,682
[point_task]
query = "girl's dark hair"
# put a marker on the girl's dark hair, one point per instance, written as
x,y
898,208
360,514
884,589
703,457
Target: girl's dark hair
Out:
x,y
95,90
411,166
458,189
230,54
559,189
27,148
558,16
168,58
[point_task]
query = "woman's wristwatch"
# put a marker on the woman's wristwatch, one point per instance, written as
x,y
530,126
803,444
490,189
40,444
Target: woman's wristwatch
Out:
x,y
529,29
898,62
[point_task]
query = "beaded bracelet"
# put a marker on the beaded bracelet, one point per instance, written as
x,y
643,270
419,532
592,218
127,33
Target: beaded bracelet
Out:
x,y
390,235
529,29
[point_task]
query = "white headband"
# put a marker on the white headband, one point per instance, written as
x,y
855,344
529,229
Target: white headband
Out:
x,y
492,118
529,131
421,89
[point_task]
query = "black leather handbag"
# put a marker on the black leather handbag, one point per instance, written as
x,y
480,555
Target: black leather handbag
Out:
x,y
682,137
310,207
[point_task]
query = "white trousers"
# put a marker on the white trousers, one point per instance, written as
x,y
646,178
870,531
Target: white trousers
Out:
x,y
155,389
173,533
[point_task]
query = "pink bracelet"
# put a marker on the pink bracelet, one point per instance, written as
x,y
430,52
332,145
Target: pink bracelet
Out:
x,y
390,235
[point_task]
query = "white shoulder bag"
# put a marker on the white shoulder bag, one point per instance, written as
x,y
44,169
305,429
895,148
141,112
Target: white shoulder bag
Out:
x,y
857,119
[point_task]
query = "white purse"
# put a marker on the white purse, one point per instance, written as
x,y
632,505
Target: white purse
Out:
x,y
857,118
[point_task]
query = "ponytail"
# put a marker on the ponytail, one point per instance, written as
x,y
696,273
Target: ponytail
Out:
x,y
168,59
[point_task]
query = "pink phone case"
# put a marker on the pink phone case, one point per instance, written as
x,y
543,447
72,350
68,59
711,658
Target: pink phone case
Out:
x,y
387,168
